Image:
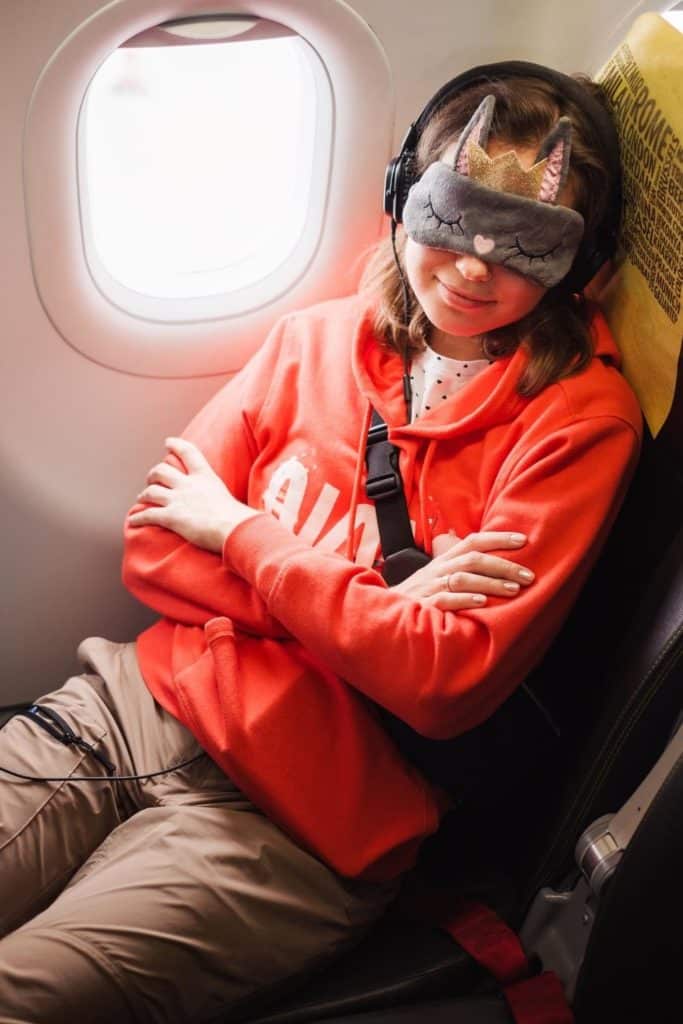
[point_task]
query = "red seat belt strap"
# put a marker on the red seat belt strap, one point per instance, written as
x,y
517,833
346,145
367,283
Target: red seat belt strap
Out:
x,y
538,1000
488,940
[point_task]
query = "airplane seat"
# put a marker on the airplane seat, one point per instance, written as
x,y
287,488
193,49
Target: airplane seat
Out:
x,y
518,849
613,679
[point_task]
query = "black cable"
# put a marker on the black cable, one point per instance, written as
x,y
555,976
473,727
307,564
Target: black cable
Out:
x,y
100,778
53,723
407,390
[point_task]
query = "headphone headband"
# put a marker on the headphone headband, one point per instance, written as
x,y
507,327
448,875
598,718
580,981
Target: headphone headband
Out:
x,y
401,172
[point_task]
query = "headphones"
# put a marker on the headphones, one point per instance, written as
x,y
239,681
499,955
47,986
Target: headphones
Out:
x,y
401,172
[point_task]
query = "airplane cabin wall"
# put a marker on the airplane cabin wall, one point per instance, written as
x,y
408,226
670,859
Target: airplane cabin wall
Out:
x,y
76,437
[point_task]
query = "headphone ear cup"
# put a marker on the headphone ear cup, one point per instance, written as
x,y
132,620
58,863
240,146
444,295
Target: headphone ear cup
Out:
x,y
390,186
398,180
407,179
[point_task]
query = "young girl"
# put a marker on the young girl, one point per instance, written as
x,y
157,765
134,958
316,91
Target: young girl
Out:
x,y
282,653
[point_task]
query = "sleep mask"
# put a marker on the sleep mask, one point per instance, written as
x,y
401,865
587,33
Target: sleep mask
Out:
x,y
495,209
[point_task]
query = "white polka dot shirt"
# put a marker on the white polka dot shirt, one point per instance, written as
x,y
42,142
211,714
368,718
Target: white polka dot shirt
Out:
x,y
434,378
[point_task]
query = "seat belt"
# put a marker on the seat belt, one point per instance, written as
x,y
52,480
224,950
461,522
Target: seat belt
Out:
x,y
533,995
384,487
531,998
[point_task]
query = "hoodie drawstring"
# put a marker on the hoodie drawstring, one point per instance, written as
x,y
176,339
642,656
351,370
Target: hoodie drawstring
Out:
x,y
425,525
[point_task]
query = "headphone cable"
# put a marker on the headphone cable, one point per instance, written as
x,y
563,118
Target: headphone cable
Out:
x,y
53,723
407,390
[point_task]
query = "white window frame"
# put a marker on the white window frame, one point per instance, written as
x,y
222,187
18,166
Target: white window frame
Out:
x,y
198,337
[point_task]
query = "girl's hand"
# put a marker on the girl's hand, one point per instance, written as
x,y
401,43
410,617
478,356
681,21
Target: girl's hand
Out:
x,y
464,575
196,504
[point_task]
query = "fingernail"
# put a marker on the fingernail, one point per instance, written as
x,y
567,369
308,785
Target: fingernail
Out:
x,y
512,586
517,538
526,574
479,598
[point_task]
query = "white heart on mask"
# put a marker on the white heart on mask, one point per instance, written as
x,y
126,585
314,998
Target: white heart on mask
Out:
x,y
482,245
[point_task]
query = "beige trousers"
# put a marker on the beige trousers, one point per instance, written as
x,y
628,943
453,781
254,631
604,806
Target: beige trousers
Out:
x,y
172,899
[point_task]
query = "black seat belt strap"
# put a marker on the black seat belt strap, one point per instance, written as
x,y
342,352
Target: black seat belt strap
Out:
x,y
385,487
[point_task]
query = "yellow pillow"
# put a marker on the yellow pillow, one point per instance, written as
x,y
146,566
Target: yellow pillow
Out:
x,y
644,84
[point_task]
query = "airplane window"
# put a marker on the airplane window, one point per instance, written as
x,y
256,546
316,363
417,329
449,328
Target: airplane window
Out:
x,y
201,178
203,159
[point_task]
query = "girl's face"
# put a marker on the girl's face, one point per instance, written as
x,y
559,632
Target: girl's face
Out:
x,y
462,295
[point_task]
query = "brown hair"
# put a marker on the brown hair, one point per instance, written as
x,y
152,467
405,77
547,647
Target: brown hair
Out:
x,y
556,331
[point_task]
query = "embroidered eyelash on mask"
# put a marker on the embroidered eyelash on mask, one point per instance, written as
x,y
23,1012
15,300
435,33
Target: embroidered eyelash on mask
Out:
x,y
503,212
452,224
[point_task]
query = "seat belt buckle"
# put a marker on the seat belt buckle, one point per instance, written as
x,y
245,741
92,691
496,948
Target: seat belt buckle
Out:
x,y
401,564
377,432
385,486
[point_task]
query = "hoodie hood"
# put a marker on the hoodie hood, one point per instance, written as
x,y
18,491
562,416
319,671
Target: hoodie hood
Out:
x,y
491,398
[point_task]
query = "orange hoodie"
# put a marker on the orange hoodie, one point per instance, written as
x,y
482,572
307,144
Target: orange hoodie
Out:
x,y
269,653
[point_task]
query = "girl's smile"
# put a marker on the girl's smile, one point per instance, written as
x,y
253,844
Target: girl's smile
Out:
x,y
453,296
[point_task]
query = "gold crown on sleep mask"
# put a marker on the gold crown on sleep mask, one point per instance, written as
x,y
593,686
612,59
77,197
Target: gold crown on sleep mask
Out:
x,y
504,172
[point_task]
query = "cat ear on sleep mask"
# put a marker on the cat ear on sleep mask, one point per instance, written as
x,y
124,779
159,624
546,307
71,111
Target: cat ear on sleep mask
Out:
x,y
496,209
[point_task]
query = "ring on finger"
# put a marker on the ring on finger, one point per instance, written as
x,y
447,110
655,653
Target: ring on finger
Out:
x,y
447,583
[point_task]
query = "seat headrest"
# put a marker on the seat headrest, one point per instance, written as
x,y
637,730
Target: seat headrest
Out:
x,y
644,86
